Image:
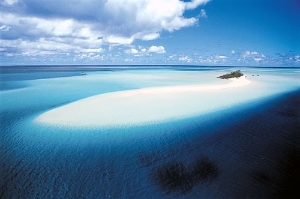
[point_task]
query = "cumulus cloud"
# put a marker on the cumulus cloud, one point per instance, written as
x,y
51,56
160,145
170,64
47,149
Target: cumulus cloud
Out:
x,y
214,59
288,58
185,59
91,24
236,57
157,49
142,51
250,56
26,34
221,57
194,4
132,51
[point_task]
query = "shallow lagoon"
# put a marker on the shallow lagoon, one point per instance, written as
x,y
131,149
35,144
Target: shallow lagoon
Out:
x,y
210,154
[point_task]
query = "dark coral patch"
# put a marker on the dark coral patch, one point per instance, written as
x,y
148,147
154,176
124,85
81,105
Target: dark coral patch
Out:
x,y
175,177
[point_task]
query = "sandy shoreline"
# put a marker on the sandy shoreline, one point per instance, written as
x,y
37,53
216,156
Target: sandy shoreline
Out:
x,y
235,82
139,106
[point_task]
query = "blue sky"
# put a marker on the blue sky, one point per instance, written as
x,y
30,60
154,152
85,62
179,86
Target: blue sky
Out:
x,y
196,32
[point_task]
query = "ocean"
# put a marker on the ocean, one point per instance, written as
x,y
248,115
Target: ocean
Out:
x,y
242,143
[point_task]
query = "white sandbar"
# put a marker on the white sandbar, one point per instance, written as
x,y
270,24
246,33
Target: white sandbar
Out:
x,y
146,105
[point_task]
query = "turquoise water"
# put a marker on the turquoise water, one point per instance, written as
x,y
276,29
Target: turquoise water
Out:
x,y
204,156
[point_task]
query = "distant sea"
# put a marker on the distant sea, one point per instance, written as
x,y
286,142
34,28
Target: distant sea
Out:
x,y
251,150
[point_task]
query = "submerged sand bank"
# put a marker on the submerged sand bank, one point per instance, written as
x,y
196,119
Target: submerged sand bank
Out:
x,y
140,106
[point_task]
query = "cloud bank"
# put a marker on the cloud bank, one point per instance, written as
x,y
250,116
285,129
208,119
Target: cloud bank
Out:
x,y
64,26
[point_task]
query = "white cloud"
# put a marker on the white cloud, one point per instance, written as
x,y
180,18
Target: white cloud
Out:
x,y
221,57
52,27
141,51
203,13
50,46
86,24
128,60
9,2
132,51
195,3
249,54
117,40
157,49
4,28
251,57
91,50
185,59
214,59
257,59
148,37
38,35
246,54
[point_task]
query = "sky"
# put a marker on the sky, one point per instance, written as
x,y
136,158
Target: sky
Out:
x,y
128,32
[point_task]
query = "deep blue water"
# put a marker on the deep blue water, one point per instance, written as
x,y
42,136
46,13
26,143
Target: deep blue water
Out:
x,y
249,151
